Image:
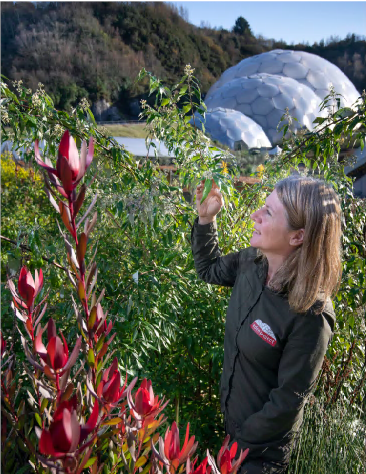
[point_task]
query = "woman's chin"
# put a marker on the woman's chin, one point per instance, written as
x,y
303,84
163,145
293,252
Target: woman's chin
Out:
x,y
254,241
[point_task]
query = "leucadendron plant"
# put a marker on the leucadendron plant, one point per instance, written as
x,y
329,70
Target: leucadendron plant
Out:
x,y
86,416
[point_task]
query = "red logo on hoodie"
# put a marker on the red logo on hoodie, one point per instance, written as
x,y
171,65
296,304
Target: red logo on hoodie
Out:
x,y
264,332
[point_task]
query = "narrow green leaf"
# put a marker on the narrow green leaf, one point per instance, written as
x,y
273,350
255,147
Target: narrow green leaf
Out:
x,y
91,359
38,418
186,108
92,317
351,321
183,89
90,462
44,404
91,115
113,421
141,461
206,190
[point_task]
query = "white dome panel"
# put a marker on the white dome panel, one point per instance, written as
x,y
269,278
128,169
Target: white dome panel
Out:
x,y
214,101
248,69
281,101
247,96
245,109
231,91
273,118
274,136
261,120
234,134
318,80
295,70
268,90
262,106
289,57
271,67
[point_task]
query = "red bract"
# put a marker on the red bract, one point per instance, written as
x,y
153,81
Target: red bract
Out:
x,y
145,402
109,389
226,455
3,344
172,450
69,167
56,355
97,323
65,433
201,469
146,405
28,288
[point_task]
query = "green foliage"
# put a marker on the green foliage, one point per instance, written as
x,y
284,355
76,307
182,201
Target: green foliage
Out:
x,y
170,325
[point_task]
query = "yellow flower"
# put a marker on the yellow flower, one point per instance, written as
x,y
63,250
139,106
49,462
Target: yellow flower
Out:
x,y
224,167
260,171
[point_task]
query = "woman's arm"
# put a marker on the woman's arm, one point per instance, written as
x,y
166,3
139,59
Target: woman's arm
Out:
x,y
210,265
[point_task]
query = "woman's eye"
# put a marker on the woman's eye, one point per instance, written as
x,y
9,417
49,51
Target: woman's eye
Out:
x,y
268,212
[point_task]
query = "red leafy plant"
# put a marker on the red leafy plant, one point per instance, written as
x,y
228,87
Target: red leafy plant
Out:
x,y
226,457
84,416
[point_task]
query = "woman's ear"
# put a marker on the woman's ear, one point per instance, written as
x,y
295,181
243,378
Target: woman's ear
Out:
x,y
297,238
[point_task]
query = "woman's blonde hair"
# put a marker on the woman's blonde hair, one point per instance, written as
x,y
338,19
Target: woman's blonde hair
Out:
x,y
312,273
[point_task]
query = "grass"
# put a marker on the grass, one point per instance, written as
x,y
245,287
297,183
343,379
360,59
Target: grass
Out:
x,y
331,441
126,130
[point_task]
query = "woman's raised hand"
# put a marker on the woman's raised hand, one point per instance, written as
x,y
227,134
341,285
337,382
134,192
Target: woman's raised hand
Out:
x,y
211,205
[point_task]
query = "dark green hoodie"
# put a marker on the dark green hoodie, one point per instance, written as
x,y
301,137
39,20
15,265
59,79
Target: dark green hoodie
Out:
x,y
272,355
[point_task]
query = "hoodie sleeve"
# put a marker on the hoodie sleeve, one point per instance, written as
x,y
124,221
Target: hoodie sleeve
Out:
x,y
300,364
210,265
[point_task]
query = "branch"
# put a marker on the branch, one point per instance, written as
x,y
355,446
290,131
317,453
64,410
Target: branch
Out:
x,y
25,247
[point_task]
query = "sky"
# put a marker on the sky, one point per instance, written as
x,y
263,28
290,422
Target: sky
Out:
x,y
290,21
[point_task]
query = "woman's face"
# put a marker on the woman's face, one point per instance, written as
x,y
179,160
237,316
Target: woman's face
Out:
x,y
271,233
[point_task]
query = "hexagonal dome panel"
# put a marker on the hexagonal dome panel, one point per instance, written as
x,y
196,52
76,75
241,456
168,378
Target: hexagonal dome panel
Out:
x,y
230,126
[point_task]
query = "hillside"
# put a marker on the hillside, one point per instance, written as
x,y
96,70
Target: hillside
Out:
x,y
96,49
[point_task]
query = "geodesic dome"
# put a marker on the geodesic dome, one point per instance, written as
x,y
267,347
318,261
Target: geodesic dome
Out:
x,y
230,127
261,87
264,98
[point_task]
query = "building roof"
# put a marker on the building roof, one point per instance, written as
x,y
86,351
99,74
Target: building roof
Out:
x,y
358,168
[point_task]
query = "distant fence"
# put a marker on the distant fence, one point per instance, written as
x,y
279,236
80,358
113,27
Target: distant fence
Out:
x,y
121,122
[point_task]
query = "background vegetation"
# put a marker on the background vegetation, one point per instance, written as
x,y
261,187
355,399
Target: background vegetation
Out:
x,y
94,50
169,324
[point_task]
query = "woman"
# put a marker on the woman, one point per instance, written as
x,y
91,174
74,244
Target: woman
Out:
x,y
280,318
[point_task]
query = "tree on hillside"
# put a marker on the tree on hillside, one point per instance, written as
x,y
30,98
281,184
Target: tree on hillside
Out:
x,y
242,27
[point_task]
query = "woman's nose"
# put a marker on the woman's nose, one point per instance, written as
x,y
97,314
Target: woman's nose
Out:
x,y
255,216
